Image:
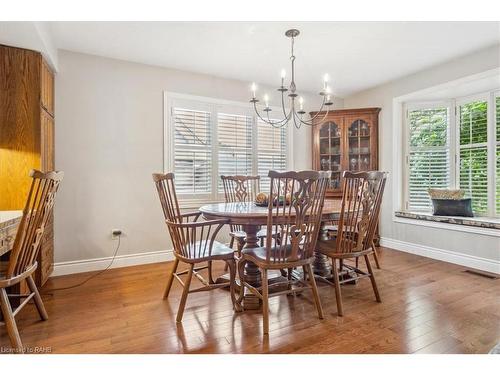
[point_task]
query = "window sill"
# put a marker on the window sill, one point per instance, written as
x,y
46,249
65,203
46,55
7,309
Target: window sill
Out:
x,y
480,225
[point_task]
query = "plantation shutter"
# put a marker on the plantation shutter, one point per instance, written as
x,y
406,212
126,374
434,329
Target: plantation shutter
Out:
x,y
428,160
192,151
474,153
497,177
235,145
271,152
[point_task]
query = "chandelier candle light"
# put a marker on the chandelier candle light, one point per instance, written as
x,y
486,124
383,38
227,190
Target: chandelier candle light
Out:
x,y
293,114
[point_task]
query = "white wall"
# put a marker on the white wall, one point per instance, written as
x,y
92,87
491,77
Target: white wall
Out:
x,y
109,129
30,35
109,139
459,243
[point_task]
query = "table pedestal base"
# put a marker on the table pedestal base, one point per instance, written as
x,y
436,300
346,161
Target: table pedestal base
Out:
x,y
323,271
251,301
321,265
252,273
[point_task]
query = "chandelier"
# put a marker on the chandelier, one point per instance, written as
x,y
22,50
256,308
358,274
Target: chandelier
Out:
x,y
292,114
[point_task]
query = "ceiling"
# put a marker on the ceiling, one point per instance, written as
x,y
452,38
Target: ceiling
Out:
x,y
357,55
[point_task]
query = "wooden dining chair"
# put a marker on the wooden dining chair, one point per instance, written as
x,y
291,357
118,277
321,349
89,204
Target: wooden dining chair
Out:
x,y
194,242
22,261
332,229
361,200
240,189
294,212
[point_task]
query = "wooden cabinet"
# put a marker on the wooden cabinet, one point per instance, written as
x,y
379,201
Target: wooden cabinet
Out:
x,y
27,129
346,139
47,141
46,88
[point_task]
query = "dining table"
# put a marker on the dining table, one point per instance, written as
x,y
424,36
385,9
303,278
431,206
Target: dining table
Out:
x,y
252,217
9,221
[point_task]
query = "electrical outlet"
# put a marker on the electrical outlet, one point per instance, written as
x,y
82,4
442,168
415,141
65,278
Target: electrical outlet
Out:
x,y
115,233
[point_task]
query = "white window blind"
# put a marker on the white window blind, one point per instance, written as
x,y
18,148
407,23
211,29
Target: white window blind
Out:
x,y
192,151
428,159
235,145
207,138
473,133
271,151
497,158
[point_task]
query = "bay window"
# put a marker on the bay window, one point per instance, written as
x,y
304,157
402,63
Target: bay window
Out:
x,y
454,144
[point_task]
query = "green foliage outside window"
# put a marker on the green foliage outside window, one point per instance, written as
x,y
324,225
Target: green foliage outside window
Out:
x,y
474,154
473,123
428,127
428,155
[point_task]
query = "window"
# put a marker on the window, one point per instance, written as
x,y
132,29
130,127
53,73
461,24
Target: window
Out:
x,y
193,150
429,154
497,156
207,138
454,145
235,145
271,152
473,141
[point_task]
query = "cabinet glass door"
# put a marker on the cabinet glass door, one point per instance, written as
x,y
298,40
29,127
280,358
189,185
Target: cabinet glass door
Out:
x,y
330,151
359,149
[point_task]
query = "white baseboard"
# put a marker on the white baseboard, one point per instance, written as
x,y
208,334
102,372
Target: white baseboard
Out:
x,y
96,264
484,264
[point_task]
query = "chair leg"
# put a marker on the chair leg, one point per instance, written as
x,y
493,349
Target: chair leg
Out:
x,y
10,322
241,274
185,292
265,301
314,287
289,277
170,279
372,278
38,299
232,286
240,245
375,255
231,244
338,294
210,276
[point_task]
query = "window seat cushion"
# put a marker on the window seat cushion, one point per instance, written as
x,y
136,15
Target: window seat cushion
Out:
x,y
452,207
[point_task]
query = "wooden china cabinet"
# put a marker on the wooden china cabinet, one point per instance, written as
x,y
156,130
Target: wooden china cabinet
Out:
x,y
346,140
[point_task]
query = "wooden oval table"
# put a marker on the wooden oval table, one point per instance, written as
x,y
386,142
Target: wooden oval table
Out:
x,y
251,218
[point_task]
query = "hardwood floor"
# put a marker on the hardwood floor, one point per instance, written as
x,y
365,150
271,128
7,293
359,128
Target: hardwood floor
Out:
x,y
427,307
